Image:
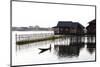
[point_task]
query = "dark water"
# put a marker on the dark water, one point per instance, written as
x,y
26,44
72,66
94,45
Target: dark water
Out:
x,y
75,46
67,49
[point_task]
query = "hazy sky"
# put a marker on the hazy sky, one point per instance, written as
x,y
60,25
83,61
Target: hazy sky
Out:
x,y
48,15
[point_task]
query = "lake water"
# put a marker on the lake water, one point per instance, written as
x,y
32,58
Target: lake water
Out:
x,y
67,49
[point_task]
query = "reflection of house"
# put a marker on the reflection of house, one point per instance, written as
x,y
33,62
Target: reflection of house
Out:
x,y
91,47
91,28
67,51
68,27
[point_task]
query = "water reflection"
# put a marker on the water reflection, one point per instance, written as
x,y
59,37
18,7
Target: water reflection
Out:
x,y
69,50
76,44
70,46
91,47
91,44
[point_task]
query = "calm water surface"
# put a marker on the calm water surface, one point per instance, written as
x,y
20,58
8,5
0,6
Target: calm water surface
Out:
x,y
67,49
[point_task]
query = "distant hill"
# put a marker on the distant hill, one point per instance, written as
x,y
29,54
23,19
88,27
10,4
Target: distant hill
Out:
x,y
30,28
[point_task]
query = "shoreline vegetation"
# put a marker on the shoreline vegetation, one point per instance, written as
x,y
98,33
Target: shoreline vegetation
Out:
x,y
22,42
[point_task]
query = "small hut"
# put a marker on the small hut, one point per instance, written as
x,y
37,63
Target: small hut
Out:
x,y
68,27
91,28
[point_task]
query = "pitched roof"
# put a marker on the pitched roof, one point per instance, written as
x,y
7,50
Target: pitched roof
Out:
x,y
68,24
64,24
93,21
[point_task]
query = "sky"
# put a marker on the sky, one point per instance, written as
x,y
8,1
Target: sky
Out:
x,y
48,15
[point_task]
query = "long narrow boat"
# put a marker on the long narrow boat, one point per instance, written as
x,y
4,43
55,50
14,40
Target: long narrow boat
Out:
x,y
45,49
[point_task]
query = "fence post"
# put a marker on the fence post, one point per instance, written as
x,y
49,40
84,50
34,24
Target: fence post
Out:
x,y
16,37
16,41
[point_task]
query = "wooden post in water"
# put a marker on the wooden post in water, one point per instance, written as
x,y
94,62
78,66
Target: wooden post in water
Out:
x,y
16,41
16,37
19,37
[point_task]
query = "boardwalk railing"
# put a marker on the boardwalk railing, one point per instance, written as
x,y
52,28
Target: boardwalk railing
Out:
x,y
30,38
22,37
